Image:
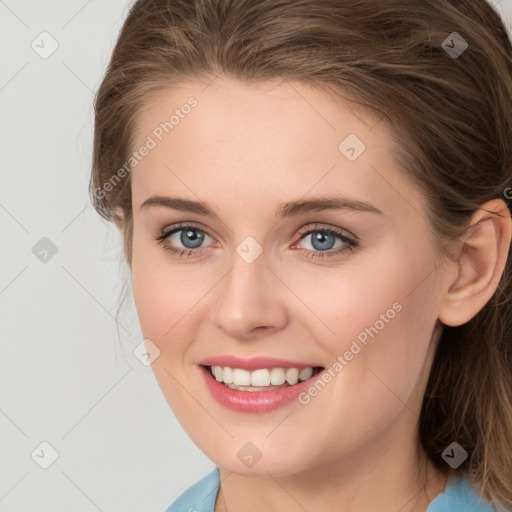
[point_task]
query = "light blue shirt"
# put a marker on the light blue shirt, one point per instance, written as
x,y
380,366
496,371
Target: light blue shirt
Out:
x,y
459,496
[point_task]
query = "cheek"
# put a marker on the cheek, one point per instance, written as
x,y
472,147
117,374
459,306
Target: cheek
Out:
x,y
379,318
163,296
382,317
165,301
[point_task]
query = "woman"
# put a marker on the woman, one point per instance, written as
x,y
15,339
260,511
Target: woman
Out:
x,y
314,197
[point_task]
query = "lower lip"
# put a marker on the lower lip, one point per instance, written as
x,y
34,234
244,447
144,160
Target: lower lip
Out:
x,y
253,401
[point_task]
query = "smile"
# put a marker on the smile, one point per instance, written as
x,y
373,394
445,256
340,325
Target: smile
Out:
x,y
257,390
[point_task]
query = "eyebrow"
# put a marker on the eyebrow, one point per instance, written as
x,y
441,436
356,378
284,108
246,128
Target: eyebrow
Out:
x,y
289,209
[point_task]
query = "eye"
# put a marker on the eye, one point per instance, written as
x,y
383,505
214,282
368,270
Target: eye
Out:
x,y
185,239
322,242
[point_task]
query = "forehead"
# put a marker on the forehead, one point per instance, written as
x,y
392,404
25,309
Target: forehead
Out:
x,y
261,140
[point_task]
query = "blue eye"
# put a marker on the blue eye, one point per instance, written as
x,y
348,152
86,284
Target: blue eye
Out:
x,y
322,241
189,236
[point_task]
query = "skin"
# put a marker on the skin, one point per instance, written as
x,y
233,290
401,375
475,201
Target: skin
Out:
x,y
244,150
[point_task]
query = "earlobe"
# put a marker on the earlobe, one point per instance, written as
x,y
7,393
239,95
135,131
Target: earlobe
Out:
x,y
119,217
480,264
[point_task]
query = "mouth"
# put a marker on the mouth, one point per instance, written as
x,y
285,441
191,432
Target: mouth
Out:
x,y
261,379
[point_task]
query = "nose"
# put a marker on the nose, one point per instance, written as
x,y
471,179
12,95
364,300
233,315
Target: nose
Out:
x,y
249,301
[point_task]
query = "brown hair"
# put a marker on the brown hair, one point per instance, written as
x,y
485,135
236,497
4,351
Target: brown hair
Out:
x,y
451,119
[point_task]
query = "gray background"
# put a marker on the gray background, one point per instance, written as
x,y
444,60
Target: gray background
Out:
x,y
64,378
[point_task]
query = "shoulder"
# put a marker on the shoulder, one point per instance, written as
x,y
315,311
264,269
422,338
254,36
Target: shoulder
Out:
x,y
460,495
200,497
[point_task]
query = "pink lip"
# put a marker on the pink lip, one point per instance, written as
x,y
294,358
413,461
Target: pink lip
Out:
x,y
253,401
253,363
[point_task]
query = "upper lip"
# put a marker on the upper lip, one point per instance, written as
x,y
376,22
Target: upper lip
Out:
x,y
253,363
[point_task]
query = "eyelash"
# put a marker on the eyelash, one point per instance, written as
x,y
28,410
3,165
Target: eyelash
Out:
x,y
351,243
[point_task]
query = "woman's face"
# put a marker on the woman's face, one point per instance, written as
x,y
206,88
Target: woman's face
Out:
x,y
269,276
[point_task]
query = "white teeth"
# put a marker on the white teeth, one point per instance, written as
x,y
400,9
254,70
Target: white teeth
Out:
x,y
237,377
277,376
227,375
217,372
241,377
260,378
305,373
292,376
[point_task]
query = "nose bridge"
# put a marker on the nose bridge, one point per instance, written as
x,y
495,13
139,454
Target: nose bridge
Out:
x,y
247,298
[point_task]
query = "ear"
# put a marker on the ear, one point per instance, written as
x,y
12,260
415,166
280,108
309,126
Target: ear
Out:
x,y
480,263
119,217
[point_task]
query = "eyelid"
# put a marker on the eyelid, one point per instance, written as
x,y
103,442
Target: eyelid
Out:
x,y
318,226
169,230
